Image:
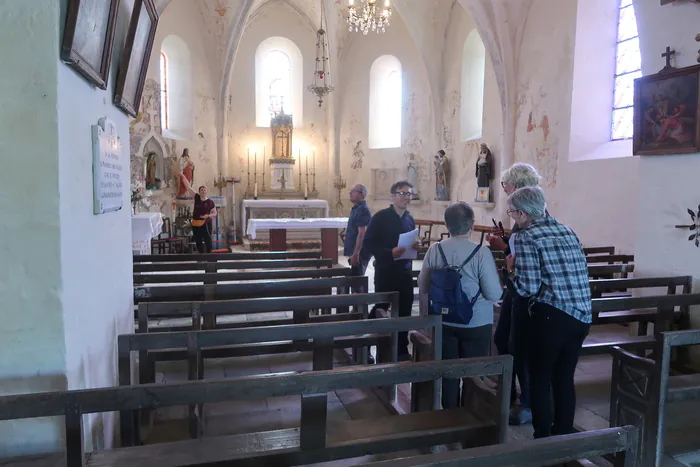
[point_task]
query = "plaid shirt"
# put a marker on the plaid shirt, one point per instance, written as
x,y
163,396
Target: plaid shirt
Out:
x,y
551,267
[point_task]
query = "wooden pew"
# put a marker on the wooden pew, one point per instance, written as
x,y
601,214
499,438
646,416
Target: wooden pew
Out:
x,y
671,283
214,266
320,338
619,441
216,277
641,388
208,312
610,259
317,440
588,251
243,255
208,292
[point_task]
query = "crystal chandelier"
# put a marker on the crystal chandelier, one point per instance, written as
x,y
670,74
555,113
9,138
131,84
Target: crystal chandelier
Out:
x,y
321,85
368,16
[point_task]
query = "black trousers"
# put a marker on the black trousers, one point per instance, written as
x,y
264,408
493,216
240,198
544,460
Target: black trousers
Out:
x,y
555,340
202,237
461,343
510,338
401,282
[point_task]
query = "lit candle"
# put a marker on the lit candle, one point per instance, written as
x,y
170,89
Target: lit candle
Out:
x,y
307,164
256,190
248,160
306,190
255,161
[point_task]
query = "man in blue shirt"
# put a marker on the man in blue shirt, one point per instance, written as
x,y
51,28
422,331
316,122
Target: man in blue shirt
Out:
x,y
355,231
381,240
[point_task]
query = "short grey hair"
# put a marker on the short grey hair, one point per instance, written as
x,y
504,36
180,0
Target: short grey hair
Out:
x,y
530,200
363,190
520,175
459,218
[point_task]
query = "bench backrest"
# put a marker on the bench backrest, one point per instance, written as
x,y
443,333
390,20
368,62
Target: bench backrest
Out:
x,y
214,266
664,303
600,286
208,292
610,259
227,256
548,451
73,404
216,277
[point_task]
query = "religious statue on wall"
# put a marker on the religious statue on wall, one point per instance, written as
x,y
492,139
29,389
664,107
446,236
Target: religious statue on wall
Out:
x,y
442,176
412,175
151,171
282,128
484,174
187,171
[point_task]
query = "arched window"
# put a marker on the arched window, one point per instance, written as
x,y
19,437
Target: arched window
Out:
x,y
628,67
278,80
473,77
176,88
163,91
385,103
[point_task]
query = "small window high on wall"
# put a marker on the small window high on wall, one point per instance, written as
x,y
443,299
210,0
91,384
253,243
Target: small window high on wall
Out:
x,y
163,91
278,80
385,103
628,67
473,77
177,97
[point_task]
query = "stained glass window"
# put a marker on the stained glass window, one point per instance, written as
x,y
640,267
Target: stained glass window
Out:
x,y
628,67
164,91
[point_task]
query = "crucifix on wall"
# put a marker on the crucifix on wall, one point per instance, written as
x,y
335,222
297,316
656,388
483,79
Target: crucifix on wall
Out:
x,y
667,55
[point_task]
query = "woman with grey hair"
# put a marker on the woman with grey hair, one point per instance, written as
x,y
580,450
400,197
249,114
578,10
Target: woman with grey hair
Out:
x,y
548,268
509,337
479,278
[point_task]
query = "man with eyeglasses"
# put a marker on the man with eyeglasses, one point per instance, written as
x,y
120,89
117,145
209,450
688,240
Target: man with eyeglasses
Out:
x,y
381,240
358,221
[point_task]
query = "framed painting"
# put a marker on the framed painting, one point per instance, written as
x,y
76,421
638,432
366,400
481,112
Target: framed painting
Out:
x,y
137,52
88,38
667,113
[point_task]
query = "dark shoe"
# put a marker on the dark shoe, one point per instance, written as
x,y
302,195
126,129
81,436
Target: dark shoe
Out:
x,y
370,360
404,357
519,416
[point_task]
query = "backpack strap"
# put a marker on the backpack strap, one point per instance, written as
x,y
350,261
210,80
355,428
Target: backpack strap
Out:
x,y
442,253
470,256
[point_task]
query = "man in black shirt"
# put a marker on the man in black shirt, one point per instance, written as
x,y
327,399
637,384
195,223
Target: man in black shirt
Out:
x,y
381,240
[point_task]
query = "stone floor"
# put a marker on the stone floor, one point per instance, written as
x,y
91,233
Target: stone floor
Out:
x,y
593,404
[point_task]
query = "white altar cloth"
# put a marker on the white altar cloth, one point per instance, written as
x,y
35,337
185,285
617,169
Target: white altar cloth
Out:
x,y
144,227
284,224
283,203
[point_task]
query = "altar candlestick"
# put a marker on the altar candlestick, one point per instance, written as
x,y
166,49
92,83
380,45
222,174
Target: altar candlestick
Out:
x,y
306,190
255,162
263,170
314,165
256,190
248,160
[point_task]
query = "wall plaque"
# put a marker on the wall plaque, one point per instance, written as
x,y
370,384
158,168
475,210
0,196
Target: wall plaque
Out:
x,y
107,167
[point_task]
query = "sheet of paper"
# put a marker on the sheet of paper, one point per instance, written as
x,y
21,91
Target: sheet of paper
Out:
x,y
406,240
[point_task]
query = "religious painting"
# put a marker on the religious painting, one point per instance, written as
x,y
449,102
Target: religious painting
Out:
x,y
282,128
137,53
482,195
88,37
667,112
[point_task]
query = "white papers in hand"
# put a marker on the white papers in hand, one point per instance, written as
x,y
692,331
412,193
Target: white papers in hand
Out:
x,y
406,240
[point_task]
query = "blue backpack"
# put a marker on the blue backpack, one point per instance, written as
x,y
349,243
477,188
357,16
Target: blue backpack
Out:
x,y
446,296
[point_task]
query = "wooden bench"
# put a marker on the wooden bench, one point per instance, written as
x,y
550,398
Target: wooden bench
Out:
x,y
641,388
320,338
619,441
216,277
208,292
317,439
244,255
214,266
204,316
671,283
610,259
588,251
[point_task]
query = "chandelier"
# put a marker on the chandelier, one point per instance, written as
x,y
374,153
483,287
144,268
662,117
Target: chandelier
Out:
x,y
368,16
321,85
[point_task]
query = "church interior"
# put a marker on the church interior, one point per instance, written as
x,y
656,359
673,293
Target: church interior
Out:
x,y
144,329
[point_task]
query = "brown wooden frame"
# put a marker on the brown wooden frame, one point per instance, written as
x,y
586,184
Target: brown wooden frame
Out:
x,y
237,256
96,75
214,266
639,113
121,101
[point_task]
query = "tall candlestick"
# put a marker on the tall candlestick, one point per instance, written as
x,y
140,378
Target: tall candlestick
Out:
x,y
255,161
256,190
314,166
263,170
307,165
248,160
306,190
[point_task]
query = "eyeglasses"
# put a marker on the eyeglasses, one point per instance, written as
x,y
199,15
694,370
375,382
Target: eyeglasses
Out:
x,y
403,193
510,211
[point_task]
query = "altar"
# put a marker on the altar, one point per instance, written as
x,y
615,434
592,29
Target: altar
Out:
x,y
278,229
144,227
285,209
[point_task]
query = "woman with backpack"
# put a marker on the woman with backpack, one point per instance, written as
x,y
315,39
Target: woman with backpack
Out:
x,y
459,281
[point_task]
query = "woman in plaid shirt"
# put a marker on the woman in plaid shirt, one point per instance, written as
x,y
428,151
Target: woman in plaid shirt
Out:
x,y
548,267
